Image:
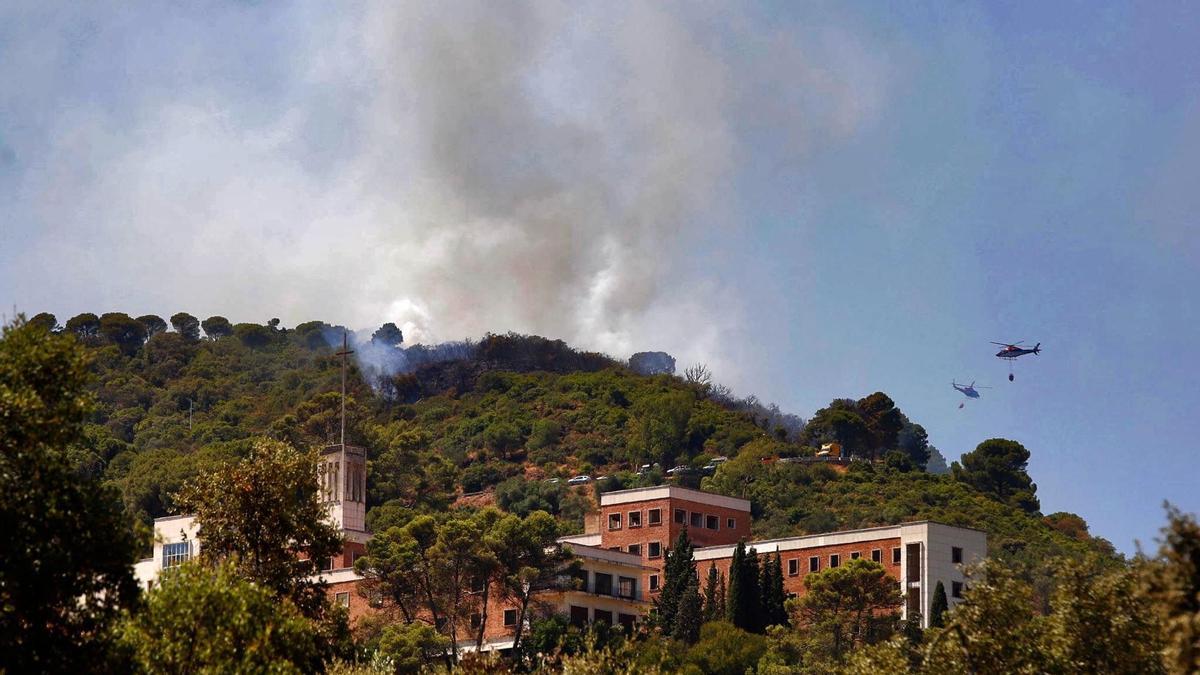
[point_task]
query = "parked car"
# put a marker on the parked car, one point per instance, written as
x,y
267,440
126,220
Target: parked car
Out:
x,y
678,469
552,480
580,480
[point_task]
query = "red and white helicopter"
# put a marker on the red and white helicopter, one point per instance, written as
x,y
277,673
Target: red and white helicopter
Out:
x,y
1012,351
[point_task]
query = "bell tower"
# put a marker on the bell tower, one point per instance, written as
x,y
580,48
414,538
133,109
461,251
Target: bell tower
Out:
x,y
342,475
343,478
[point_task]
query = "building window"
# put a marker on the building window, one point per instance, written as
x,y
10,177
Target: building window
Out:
x,y
635,518
175,554
697,520
355,556
855,555
655,516
602,616
654,582
681,516
635,549
375,599
581,579
712,523
896,556
626,621
877,555
814,564
627,587
655,549
476,620
579,616
793,567
956,589
603,584
510,616
731,523
326,564
835,560
614,521
342,599
955,555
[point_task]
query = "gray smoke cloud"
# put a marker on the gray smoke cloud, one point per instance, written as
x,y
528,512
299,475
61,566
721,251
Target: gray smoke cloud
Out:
x,y
457,168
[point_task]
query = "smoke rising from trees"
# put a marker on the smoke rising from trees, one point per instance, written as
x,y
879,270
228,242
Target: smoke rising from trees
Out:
x,y
548,168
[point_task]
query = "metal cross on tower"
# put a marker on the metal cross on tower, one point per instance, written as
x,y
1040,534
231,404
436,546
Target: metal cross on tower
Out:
x,y
346,351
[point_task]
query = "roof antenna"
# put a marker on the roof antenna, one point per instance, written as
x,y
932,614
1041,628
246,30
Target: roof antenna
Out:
x,y
344,353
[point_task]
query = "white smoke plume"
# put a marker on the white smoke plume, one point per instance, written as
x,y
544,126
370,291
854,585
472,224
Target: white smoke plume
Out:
x,y
554,168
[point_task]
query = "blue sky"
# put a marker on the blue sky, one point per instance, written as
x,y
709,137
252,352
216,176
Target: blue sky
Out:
x,y
819,199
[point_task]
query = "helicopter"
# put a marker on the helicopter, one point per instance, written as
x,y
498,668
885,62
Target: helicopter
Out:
x,y
1012,351
968,390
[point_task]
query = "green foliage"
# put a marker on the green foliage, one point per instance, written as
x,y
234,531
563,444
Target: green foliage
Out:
x,y
847,607
939,607
186,325
774,611
46,321
1098,621
211,620
388,335
679,574
1172,581
259,513
402,469
996,467
126,333
424,569
66,548
714,595
689,613
410,646
217,327
153,324
725,649
85,326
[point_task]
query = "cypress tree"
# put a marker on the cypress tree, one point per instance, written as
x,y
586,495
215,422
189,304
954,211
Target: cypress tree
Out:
x,y
690,613
784,619
771,586
735,604
711,591
719,611
751,595
938,609
678,572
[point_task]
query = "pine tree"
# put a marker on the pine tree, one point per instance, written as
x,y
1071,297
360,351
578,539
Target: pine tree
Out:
x,y
678,571
735,604
937,611
711,591
690,613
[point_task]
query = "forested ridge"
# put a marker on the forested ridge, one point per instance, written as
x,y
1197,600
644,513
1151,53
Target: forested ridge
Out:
x,y
507,413
109,421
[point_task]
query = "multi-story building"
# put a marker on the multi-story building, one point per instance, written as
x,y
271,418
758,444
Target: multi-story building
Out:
x,y
646,521
622,554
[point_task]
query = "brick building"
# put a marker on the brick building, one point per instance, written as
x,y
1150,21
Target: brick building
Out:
x,y
621,553
646,521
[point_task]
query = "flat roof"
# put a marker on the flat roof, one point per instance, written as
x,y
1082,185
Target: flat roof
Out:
x,y
673,492
816,540
608,555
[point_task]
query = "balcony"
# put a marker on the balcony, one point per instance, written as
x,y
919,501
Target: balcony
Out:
x,y
600,584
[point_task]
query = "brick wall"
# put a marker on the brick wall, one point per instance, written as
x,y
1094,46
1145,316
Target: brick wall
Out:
x,y
667,529
795,583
